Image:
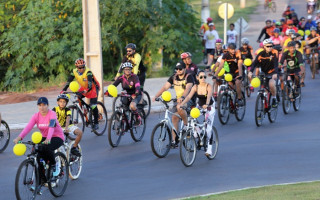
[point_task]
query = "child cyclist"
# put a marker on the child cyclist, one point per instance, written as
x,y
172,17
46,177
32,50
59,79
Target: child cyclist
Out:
x,y
63,115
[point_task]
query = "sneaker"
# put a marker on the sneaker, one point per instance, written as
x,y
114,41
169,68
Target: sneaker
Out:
x,y
209,150
95,127
32,188
274,102
75,151
56,169
251,89
240,102
302,84
174,145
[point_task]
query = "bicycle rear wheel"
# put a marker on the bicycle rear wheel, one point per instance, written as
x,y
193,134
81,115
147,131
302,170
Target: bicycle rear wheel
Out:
x,y
297,101
146,103
161,140
285,99
116,103
58,184
241,110
214,141
75,162
188,149
115,129
223,107
137,132
103,119
76,119
4,135
27,180
259,110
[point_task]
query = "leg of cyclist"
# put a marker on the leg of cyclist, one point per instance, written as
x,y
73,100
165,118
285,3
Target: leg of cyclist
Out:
x,y
133,107
75,130
239,92
273,89
93,105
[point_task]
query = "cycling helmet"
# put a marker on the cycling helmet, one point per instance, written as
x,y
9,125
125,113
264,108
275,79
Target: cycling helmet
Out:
x,y
189,54
184,55
282,20
291,9
209,19
278,48
291,44
301,18
297,34
244,41
276,30
268,20
131,46
291,31
267,41
313,28
278,23
126,64
80,62
274,21
232,46
63,96
287,31
261,45
218,41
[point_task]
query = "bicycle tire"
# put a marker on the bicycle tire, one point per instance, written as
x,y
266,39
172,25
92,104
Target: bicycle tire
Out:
x,y
116,103
75,162
285,99
223,107
103,119
214,142
64,173
29,183
115,118
272,113
4,135
147,108
259,110
246,85
240,117
77,119
188,143
297,101
161,144
134,133
313,67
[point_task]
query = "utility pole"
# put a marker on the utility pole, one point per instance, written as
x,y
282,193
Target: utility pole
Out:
x,y
205,10
242,3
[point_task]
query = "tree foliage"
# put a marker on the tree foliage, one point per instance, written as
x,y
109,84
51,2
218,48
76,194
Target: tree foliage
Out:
x,y
42,38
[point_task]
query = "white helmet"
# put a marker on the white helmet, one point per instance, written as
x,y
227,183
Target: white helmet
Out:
x,y
267,41
126,64
244,41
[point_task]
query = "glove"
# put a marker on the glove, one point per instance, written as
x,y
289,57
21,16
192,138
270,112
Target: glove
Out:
x,y
106,93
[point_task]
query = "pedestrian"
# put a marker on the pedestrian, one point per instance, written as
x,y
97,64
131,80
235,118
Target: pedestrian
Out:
x,y
209,42
232,35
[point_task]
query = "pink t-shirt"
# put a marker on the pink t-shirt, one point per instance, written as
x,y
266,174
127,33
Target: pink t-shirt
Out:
x,y
277,41
43,125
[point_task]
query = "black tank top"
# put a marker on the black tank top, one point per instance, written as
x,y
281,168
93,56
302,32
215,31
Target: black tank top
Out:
x,y
202,99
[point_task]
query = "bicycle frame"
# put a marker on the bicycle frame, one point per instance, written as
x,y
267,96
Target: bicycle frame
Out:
x,y
264,90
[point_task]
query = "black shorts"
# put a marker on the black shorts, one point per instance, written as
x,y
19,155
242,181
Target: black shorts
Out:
x,y
293,71
210,51
126,101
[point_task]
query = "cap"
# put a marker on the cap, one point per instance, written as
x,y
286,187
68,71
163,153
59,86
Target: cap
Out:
x,y
180,65
211,24
43,100
309,16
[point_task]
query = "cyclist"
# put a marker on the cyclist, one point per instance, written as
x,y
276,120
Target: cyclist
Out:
x,y
287,13
182,83
302,23
205,26
294,62
209,41
52,135
191,68
276,38
309,23
292,36
290,25
246,51
267,60
130,83
313,41
89,86
234,61
64,114
203,92
279,26
267,31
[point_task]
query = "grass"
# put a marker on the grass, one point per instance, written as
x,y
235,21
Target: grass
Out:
x,y
305,191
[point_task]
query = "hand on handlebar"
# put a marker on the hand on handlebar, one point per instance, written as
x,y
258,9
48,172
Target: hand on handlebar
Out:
x,y
17,139
47,141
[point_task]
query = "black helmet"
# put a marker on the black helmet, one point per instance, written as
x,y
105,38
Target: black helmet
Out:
x,y
291,44
63,96
232,46
131,46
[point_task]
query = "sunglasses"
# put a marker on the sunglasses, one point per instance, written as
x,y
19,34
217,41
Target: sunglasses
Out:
x,y
202,77
129,51
81,67
269,46
180,69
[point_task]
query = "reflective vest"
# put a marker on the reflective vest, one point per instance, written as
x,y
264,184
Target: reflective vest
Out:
x,y
83,82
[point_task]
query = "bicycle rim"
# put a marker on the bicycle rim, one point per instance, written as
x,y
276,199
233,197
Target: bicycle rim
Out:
x,y
75,162
214,141
223,108
103,119
259,110
137,132
115,129
188,149
241,111
285,100
160,140
147,108
58,185
272,114
116,103
27,180
297,101
4,135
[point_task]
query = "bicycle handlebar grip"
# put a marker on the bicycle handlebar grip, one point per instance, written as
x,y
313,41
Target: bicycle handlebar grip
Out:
x,y
157,99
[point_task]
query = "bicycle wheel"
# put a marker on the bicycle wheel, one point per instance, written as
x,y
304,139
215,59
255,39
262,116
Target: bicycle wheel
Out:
x,y
115,129
4,136
146,103
77,119
58,185
75,162
274,7
259,110
137,132
161,140
188,148
223,107
103,119
116,103
313,66
27,180
246,85
214,141
297,100
272,113
241,110
285,99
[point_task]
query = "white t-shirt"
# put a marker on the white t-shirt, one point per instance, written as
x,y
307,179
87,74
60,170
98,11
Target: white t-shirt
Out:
x,y
232,36
210,37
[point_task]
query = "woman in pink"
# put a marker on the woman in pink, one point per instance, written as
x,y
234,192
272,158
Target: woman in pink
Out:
x,y
276,38
52,134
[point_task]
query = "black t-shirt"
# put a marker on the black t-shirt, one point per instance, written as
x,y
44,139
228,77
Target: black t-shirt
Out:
x,y
131,84
180,84
293,61
267,61
232,60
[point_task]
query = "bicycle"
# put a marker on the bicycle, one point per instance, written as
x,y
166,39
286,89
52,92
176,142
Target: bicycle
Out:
x,y
227,97
195,138
4,135
75,162
270,5
82,115
263,102
27,178
245,82
291,94
314,60
145,104
123,120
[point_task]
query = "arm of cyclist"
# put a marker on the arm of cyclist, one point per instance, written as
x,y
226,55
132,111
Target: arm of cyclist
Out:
x,y
209,96
240,62
189,85
301,63
165,87
188,97
137,87
70,79
313,40
253,66
263,31
90,81
137,60
26,130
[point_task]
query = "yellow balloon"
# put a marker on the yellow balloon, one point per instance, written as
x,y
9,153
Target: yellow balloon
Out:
x,y
74,86
228,77
113,91
36,137
222,10
301,32
166,96
255,82
19,149
247,62
195,113
307,32
222,71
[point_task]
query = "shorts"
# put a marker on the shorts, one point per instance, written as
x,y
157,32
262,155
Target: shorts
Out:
x,y
72,128
189,105
293,71
125,100
210,51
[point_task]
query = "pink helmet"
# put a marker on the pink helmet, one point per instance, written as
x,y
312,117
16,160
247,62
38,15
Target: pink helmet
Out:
x,y
261,45
209,19
218,41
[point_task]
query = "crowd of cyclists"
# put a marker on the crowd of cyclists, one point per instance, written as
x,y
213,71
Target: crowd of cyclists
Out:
x,y
285,46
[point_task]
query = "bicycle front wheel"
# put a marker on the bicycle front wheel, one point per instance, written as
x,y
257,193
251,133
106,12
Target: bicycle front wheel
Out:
x,y
116,103
297,100
213,140
4,136
58,184
103,119
259,110
223,107
161,140
115,129
285,99
137,131
188,149
272,113
27,180
241,110
75,162
77,119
